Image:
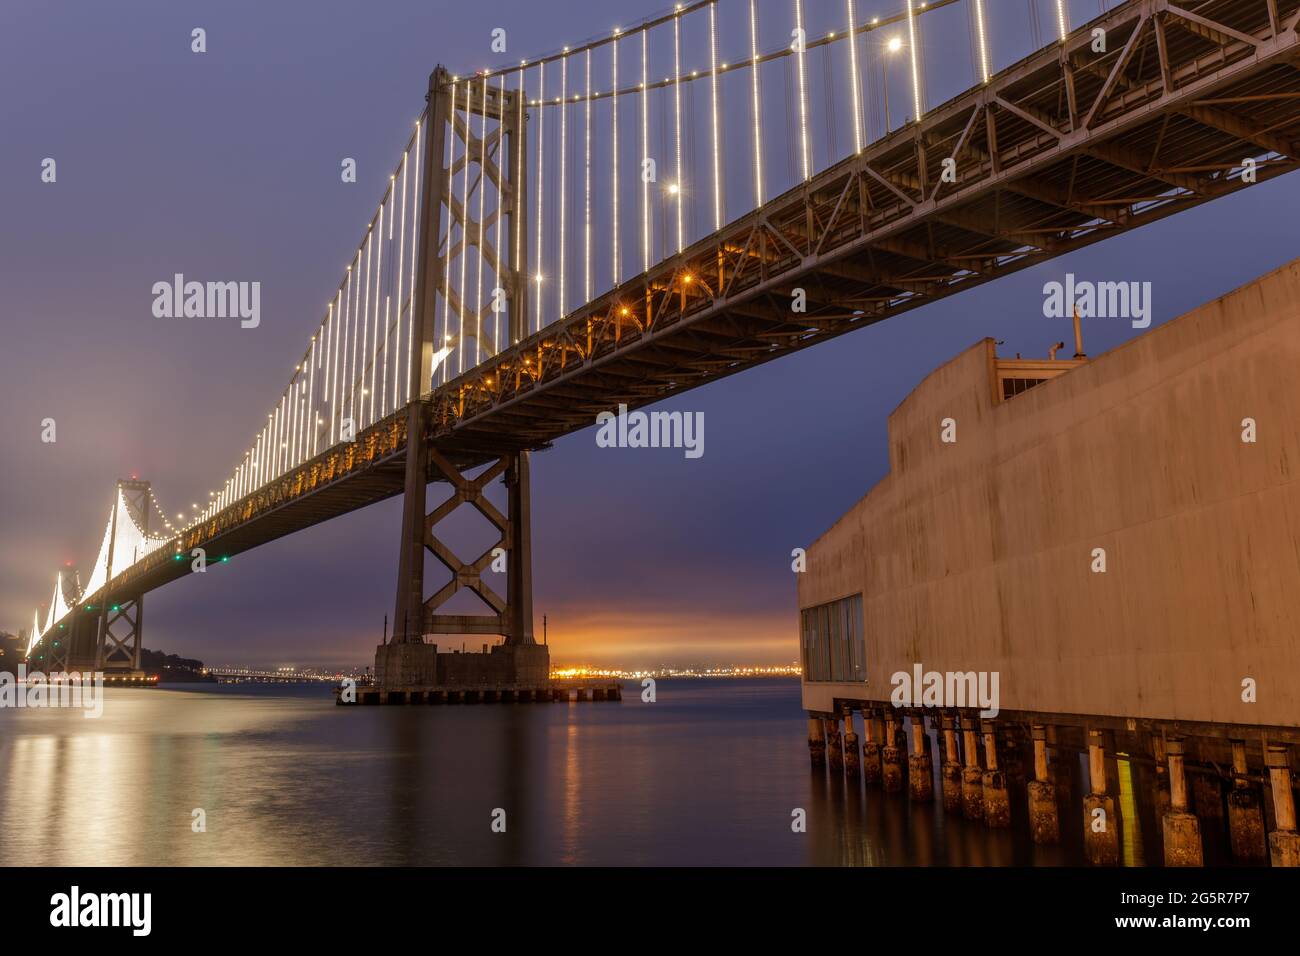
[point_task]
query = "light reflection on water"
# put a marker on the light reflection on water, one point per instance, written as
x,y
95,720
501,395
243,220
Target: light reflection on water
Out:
x,y
708,774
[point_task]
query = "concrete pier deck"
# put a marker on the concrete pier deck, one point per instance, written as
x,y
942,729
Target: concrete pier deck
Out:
x,y
551,691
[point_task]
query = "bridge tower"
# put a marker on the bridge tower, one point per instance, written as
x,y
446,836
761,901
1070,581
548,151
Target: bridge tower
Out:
x,y
410,657
120,622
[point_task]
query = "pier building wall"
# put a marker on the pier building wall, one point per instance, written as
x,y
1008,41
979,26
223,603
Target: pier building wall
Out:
x,y
978,555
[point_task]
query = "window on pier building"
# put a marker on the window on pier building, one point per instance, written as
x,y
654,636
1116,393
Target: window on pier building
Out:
x,y
834,648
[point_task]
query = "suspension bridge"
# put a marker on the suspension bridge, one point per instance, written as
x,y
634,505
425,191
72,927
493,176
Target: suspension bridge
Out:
x,y
674,202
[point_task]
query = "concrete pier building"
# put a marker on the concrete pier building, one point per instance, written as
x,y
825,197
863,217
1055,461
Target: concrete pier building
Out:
x,y
1108,547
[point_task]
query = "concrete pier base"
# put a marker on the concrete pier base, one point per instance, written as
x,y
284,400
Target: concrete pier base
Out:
x,y
852,755
1044,824
872,767
834,745
1283,842
1100,831
816,742
1182,837
920,777
1100,824
891,777
1246,825
972,793
997,803
852,759
950,781
891,758
1284,848
1181,829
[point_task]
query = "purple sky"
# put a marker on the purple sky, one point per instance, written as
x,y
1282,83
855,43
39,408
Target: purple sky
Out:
x,y
226,166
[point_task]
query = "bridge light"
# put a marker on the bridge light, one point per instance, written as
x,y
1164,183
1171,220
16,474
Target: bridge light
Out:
x,y
895,44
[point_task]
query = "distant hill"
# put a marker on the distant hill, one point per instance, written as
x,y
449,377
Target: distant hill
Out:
x,y
171,668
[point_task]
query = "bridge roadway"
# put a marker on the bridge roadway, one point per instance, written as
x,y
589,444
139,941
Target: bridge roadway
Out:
x,y
1061,150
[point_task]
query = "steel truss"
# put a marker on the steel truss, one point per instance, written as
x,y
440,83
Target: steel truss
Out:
x,y
1061,150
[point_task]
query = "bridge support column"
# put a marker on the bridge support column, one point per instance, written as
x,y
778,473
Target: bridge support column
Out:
x,y
407,658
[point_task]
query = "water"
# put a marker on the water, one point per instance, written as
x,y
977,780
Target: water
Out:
x,y
708,774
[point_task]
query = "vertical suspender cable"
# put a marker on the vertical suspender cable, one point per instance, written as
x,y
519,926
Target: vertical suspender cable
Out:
x,y
617,262
679,185
805,159
541,187
758,125
855,77
564,161
717,142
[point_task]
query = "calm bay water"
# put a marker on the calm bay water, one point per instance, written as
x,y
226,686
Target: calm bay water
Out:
x,y
708,774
